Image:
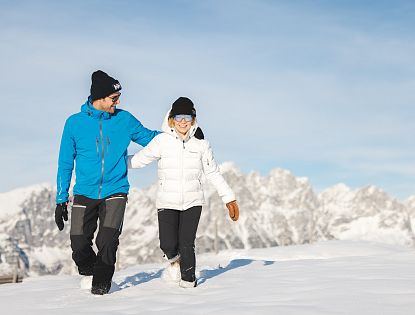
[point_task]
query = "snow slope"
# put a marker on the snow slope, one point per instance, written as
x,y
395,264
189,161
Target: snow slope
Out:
x,y
334,277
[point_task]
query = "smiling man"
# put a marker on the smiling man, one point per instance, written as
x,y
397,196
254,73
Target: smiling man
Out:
x,y
96,139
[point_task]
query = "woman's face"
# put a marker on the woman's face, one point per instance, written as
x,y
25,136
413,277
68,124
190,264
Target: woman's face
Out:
x,y
182,123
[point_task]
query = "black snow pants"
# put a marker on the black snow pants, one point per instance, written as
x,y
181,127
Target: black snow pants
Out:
x,y
177,234
85,214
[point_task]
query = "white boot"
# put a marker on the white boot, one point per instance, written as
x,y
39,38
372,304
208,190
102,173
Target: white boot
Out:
x,y
172,272
86,282
187,284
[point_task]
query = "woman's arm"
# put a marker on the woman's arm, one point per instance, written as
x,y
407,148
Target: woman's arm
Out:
x,y
146,155
214,176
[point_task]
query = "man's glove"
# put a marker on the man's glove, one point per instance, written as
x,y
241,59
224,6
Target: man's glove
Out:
x,y
233,210
61,213
199,134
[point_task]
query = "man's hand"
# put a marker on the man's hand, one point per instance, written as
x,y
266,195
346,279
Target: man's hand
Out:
x,y
61,213
233,210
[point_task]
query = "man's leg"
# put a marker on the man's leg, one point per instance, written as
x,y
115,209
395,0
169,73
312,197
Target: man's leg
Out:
x,y
111,216
168,220
189,220
84,218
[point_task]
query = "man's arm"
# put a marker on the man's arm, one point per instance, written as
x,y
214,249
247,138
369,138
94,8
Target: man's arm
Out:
x,y
67,153
140,134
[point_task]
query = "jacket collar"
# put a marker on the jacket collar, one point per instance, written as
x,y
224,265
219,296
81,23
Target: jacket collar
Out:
x,y
90,110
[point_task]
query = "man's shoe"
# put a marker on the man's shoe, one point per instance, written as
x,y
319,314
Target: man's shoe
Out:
x,y
101,288
87,270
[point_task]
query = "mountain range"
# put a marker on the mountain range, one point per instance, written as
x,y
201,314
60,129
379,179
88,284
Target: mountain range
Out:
x,y
278,209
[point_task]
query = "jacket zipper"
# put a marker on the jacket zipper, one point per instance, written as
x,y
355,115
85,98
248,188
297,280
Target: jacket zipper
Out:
x,y
108,143
103,157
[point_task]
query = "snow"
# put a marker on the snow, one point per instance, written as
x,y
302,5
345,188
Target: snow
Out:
x,y
336,277
10,202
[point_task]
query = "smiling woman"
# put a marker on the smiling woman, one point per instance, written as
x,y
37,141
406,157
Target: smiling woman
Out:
x,y
183,160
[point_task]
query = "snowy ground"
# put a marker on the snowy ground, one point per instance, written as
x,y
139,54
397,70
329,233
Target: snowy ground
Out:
x,y
336,277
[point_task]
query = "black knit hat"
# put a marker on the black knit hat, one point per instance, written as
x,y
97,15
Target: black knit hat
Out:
x,y
184,106
103,85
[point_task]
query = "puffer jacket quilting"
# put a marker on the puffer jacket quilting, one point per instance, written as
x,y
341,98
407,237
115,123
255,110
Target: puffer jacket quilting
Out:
x,y
181,165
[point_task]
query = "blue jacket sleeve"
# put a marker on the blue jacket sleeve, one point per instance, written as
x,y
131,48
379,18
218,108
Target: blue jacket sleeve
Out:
x,y
140,134
67,155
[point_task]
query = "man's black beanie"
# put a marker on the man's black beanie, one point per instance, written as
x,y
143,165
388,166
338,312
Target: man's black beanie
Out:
x,y
183,106
103,85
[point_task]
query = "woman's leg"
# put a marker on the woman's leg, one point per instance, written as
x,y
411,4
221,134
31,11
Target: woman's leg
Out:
x,y
189,220
168,232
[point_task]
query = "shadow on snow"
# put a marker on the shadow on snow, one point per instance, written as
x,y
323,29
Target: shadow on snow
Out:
x,y
205,274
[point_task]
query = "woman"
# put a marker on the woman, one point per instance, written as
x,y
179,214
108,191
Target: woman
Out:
x,y
182,159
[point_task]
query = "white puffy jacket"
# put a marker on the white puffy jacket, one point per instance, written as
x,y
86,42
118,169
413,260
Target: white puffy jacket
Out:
x,y
180,167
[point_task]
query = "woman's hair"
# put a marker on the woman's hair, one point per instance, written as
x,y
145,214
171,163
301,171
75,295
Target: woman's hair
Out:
x,y
170,122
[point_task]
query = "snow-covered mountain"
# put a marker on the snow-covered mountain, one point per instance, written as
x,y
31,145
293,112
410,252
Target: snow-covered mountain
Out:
x,y
278,209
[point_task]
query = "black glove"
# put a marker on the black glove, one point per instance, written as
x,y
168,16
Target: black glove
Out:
x,y
61,213
199,134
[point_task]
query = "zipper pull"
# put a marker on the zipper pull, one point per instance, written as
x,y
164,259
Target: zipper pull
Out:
x,y
183,145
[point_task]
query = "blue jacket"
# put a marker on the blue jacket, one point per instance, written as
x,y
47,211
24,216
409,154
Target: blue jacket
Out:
x,y
97,141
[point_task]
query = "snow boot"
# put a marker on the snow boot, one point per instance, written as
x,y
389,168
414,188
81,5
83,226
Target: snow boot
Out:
x,y
187,284
87,270
86,267
100,288
86,282
172,272
101,281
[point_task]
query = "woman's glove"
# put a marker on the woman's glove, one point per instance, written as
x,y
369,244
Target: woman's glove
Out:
x,y
233,210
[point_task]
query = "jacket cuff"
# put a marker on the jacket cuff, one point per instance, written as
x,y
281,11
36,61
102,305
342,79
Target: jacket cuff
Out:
x,y
228,198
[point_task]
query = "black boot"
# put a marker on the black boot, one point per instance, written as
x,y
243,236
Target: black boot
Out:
x,y
101,288
101,282
86,268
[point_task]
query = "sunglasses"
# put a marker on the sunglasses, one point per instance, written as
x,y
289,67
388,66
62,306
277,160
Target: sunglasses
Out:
x,y
115,98
187,118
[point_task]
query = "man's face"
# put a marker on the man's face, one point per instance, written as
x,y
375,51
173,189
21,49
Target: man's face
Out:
x,y
109,103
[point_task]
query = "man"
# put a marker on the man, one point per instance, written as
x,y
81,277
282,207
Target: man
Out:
x,y
97,138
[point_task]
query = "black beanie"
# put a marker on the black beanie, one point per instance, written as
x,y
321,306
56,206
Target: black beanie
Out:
x,y
103,85
183,106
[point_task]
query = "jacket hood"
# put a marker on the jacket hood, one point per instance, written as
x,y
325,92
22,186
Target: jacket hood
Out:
x,y
90,110
171,131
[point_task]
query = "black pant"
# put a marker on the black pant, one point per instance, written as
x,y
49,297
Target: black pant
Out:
x,y
84,217
177,234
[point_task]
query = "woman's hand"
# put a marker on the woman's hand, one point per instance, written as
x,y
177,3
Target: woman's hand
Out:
x,y
233,210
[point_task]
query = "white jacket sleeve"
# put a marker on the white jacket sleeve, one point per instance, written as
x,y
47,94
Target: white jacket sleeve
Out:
x,y
214,176
146,155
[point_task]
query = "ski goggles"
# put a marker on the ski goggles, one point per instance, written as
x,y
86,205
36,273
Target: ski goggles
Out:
x,y
187,118
115,98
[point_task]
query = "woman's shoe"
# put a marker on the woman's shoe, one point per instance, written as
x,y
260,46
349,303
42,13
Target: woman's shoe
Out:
x,y
172,272
187,284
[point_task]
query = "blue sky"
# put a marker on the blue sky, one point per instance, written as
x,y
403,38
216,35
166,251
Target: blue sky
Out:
x,y
324,89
